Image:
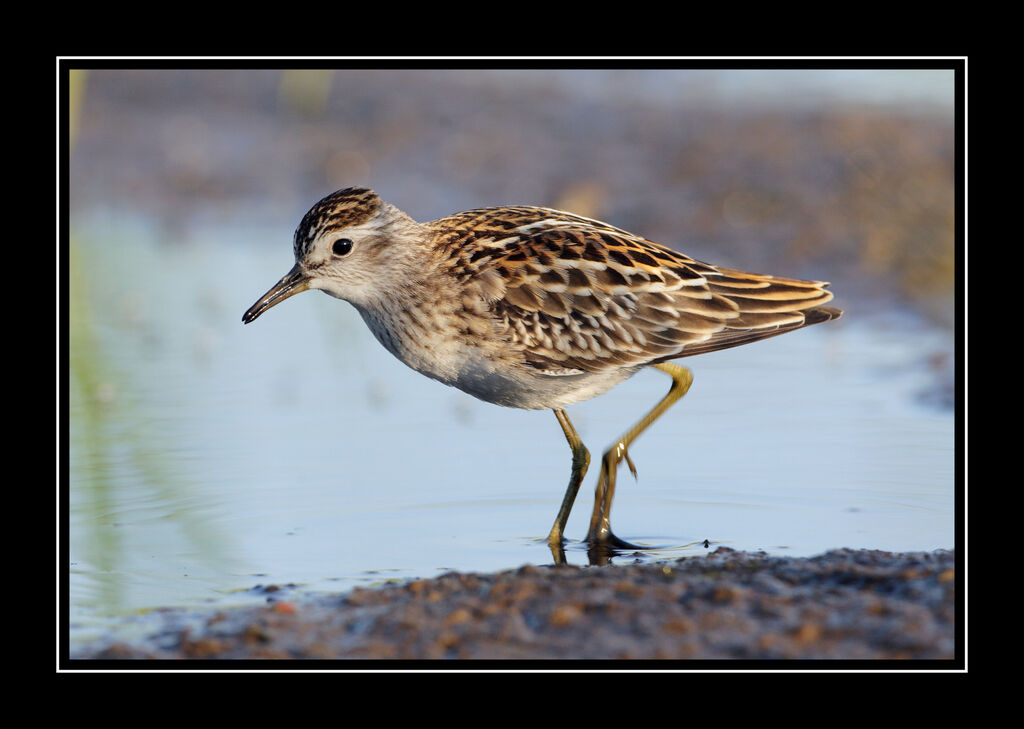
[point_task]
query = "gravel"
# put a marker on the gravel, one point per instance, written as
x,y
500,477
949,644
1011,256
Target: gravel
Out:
x,y
844,604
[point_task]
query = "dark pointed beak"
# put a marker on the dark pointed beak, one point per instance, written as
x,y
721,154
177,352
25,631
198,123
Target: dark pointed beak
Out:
x,y
294,282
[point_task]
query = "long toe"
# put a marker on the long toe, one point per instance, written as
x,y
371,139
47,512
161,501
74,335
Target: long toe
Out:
x,y
605,538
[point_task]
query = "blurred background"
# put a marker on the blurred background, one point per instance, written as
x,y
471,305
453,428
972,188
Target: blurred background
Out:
x,y
205,458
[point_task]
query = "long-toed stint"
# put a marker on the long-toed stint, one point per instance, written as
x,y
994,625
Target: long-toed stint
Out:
x,y
535,308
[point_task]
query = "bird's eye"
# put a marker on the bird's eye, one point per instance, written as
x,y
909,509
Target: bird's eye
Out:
x,y
341,246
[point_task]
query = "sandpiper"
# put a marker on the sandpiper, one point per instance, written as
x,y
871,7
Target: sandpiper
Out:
x,y
536,308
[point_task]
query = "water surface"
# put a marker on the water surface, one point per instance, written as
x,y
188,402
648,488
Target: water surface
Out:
x,y
206,457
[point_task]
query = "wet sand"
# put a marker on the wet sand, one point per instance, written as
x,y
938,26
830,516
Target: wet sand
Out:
x,y
844,604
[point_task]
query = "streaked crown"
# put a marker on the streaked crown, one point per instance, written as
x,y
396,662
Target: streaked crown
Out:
x,y
337,211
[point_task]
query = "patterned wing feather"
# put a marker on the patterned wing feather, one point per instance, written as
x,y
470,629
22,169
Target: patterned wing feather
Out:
x,y
579,295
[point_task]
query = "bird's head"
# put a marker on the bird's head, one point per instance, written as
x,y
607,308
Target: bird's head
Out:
x,y
346,245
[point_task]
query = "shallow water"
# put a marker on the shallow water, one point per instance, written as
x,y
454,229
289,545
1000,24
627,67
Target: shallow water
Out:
x,y
206,457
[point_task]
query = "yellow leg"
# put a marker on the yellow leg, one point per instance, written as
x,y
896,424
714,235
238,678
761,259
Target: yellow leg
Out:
x,y
580,462
600,529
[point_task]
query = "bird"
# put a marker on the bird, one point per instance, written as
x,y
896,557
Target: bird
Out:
x,y
536,308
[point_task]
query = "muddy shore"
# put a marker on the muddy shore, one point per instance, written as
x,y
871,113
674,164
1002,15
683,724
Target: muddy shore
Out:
x,y
844,604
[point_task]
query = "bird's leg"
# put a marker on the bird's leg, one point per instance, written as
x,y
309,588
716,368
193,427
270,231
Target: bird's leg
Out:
x,y
580,462
600,529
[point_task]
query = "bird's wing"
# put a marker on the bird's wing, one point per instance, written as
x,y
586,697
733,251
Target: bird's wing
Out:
x,y
575,294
